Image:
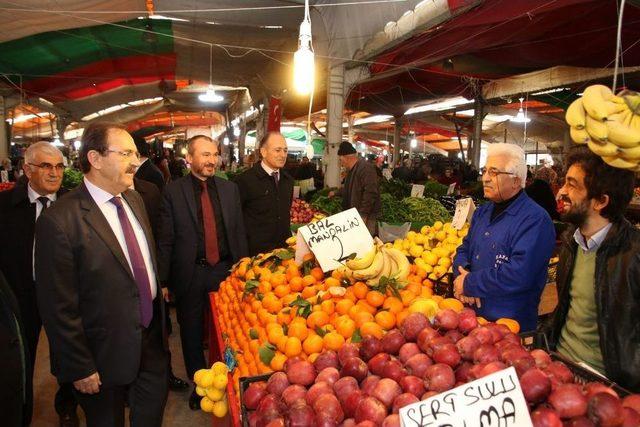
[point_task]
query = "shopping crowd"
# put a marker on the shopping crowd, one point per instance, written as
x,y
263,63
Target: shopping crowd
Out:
x,y
96,265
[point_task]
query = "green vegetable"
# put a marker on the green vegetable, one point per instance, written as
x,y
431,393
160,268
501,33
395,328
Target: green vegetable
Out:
x,y
412,209
71,178
328,205
434,189
396,188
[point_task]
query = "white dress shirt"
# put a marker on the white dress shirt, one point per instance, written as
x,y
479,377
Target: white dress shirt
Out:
x,y
33,198
110,212
594,241
268,170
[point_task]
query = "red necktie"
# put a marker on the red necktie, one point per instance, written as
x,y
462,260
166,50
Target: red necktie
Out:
x,y
209,222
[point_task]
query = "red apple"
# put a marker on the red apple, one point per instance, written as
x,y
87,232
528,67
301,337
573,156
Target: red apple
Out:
x,y
393,341
407,350
412,384
417,365
568,401
412,325
370,409
405,399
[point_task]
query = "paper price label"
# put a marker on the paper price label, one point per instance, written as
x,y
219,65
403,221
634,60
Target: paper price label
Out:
x,y
464,211
492,401
417,190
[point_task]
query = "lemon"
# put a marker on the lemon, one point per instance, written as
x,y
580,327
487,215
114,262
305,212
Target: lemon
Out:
x,y
428,268
200,391
444,262
406,244
428,307
419,239
207,379
439,271
206,405
214,394
219,368
411,235
398,246
220,409
438,225
430,258
416,251
420,263
441,235
197,377
463,232
425,230
220,381
397,242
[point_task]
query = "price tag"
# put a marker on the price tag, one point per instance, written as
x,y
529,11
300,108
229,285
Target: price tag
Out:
x,y
4,176
417,190
492,401
301,248
464,211
451,189
296,191
334,239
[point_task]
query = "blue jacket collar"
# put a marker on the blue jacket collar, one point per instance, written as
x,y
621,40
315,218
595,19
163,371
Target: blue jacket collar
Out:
x,y
518,203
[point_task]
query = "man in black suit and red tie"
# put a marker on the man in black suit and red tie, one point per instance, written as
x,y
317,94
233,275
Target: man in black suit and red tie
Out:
x,y
97,290
201,235
20,207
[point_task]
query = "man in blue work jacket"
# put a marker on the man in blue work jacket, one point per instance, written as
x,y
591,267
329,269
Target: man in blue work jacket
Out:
x,y
501,266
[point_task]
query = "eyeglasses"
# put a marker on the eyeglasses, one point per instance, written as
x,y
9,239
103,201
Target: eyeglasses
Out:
x,y
126,153
493,172
48,167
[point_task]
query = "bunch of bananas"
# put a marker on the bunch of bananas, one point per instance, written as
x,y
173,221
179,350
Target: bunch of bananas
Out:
x,y
609,124
379,262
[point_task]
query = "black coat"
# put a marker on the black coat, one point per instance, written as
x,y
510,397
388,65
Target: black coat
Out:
x,y
266,208
14,357
87,294
150,173
617,295
152,199
178,238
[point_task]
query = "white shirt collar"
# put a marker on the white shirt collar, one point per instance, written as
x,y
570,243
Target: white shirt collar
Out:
x,y
594,241
33,195
267,169
98,194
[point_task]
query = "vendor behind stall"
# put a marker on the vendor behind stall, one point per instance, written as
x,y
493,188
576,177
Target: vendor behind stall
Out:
x,y
596,320
501,265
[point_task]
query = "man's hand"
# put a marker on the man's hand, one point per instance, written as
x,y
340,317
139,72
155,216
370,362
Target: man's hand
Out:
x,y
165,294
89,385
458,289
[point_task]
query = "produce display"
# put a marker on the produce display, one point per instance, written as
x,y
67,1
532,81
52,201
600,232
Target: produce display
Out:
x,y
326,204
71,178
433,248
302,212
434,189
396,188
368,382
608,124
412,209
379,268
6,185
211,385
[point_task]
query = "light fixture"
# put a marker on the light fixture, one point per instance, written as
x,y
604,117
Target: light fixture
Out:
x,y
57,142
210,95
384,152
362,146
77,144
303,59
225,141
236,131
520,117
414,143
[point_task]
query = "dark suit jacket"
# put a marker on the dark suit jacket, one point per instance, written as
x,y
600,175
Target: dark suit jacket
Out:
x,y
178,238
152,201
266,209
17,226
362,190
150,173
87,295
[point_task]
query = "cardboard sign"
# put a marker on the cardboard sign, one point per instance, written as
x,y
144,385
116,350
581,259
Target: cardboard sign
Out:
x,y
464,211
417,190
4,176
296,191
493,401
333,239
301,248
451,189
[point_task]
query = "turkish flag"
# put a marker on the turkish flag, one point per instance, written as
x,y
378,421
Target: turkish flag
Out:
x,y
275,115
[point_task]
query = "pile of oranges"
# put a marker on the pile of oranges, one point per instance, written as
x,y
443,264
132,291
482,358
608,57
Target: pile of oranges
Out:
x,y
270,309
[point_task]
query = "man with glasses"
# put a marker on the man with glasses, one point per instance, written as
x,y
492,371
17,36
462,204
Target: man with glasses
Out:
x,y
19,210
501,266
97,292
201,236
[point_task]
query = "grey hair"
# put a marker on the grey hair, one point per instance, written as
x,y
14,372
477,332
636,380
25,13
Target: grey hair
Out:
x,y
43,147
516,163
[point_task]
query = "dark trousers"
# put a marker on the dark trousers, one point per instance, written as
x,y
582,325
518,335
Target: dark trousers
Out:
x,y
147,394
190,310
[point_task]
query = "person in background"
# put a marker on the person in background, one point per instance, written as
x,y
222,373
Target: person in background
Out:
x,y
361,189
541,193
20,207
147,170
98,296
402,171
501,266
546,172
267,194
423,173
201,236
598,278
449,177
7,167
305,174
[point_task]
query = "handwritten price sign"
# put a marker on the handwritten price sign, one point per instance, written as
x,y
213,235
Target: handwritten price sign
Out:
x,y
334,239
493,401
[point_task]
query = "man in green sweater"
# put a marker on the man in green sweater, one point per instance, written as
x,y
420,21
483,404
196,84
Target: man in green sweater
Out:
x,y
599,271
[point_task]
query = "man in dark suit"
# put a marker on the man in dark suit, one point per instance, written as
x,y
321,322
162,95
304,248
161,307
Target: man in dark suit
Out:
x,y
267,193
97,291
19,209
147,170
201,235
152,202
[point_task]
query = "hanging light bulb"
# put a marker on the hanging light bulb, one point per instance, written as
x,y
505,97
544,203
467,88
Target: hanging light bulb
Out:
x,y
210,95
303,59
414,143
520,117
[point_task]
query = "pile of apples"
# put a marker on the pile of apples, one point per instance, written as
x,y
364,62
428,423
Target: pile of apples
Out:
x,y
6,185
366,383
301,212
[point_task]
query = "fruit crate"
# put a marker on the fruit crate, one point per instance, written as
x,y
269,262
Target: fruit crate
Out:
x,y
443,286
581,374
244,384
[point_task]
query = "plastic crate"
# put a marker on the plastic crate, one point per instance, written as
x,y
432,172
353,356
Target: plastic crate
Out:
x,y
443,286
244,384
